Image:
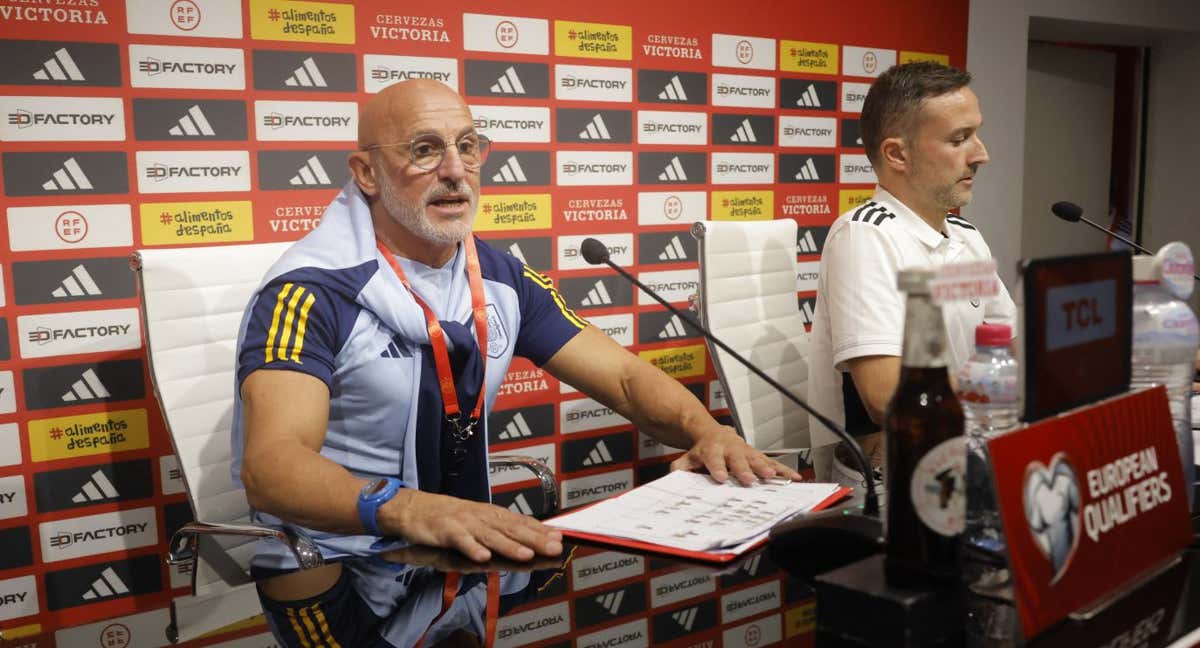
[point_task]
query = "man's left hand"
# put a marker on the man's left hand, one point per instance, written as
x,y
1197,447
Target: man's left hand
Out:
x,y
723,452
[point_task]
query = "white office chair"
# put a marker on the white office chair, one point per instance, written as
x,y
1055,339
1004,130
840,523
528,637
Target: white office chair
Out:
x,y
192,301
748,299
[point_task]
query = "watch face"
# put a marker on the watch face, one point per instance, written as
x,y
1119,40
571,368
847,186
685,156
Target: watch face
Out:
x,y
374,488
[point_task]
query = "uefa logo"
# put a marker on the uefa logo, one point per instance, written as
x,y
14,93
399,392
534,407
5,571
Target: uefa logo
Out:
x,y
1053,511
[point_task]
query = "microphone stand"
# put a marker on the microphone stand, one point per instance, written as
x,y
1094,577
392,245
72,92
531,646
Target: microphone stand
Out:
x,y
871,499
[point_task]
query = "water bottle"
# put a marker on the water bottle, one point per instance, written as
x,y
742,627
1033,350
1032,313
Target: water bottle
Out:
x,y
1165,338
988,390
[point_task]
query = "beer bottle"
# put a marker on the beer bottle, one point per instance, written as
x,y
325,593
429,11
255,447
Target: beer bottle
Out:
x,y
926,453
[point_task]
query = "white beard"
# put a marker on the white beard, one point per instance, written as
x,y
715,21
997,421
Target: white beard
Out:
x,y
413,219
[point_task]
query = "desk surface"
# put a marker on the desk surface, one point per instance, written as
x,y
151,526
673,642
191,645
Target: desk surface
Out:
x,y
599,598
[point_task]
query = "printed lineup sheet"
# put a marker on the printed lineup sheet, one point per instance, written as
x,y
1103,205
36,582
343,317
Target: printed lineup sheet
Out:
x,y
687,510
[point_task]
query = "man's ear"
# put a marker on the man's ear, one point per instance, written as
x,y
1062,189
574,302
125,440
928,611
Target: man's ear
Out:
x,y
364,173
894,154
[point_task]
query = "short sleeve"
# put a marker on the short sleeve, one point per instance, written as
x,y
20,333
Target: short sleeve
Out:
x,y
292,326
546,321
866,311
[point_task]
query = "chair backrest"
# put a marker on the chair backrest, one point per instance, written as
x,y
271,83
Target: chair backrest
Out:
x,y
748,299
192,302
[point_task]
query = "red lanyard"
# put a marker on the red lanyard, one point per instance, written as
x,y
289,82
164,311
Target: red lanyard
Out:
x,y
437,338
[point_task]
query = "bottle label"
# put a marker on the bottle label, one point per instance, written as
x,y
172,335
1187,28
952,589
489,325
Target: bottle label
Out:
x,y
939,487
980,383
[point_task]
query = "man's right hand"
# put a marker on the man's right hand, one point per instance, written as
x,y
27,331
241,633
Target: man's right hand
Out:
x,y
476,529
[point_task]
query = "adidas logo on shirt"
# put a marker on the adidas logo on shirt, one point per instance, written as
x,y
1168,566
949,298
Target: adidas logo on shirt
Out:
x,y
674,251
515,250
88,387
744,133
396,349
807,312
809,98
69,178
308,75
517,428
599,455
674,171
511,170
97,488
77,284
872,212
521,505
109,584
806,244
673,329
596,130
597,296
673,91
509,83
686,618
312,173
808,171
611,601
60,67
193,124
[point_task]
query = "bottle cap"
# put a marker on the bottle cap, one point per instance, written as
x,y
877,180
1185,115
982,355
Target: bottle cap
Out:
x,y
914,281
993,335
1144,270
1175,267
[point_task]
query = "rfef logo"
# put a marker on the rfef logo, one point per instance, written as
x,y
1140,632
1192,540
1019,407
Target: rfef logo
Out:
x,y
667,86
807,94
173,66
47,119
82,172
507,79
62,490
189,119
291,170
197,18
381,71
29,62
304,71
866,61
69,227
77,384
743,52
671,207
55,281
102,582
486,33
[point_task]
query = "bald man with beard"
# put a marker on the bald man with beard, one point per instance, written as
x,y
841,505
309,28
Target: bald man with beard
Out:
x,y
339,384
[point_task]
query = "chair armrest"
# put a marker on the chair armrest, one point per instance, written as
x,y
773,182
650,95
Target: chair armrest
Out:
x,y
539,470
184,542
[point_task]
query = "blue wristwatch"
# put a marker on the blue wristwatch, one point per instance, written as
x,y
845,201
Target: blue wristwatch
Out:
x,y
374,495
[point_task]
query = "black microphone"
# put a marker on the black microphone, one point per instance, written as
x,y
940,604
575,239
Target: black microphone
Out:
x,y
597,253
1073,213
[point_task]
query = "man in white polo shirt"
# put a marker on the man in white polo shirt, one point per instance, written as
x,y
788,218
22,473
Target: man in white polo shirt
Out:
x,y
919,126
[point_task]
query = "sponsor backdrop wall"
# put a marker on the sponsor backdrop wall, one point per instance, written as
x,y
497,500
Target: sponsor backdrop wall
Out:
x,y
141,123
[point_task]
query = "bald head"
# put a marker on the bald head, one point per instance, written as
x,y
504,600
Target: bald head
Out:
x,y
405,109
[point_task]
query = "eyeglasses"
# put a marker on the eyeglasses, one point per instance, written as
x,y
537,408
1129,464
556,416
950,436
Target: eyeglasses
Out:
x,y
427,151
